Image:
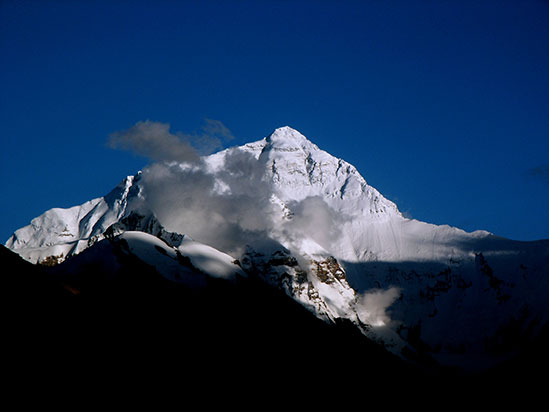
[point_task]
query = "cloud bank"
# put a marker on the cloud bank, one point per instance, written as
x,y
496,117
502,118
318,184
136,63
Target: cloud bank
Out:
x,y
230,208
227,210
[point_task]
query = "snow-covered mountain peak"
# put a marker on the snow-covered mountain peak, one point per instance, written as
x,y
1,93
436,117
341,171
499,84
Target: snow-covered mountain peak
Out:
x,y
299,169
288,139
286,133
308,222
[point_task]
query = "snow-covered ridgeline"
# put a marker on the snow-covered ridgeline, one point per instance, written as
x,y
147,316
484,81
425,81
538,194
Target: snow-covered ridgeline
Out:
x,y
65,232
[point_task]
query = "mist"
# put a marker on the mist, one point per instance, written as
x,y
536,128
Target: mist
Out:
x,y
313,218
227,210
372,306
233,207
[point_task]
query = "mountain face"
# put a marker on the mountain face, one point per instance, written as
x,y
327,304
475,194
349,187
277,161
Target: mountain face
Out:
x,y
284,211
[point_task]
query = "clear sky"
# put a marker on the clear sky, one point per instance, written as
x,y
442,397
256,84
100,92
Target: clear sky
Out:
x,y
443,106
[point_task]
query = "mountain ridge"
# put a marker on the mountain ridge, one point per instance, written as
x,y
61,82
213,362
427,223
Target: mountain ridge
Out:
x,y
309,224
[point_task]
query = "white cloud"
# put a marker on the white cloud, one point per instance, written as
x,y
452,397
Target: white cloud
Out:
x,y
155,141
372,306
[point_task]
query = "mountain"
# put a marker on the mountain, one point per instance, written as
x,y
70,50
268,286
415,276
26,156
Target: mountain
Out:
x,y
285,212
106,320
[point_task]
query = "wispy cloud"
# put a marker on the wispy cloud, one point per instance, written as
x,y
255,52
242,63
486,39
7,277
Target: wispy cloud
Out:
x,y
212,136
155,141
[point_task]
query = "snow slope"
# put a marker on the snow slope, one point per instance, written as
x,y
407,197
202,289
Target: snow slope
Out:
x,y
65,232
330,241
170,262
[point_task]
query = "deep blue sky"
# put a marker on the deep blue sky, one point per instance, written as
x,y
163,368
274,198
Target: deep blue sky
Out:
x,y
443,106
